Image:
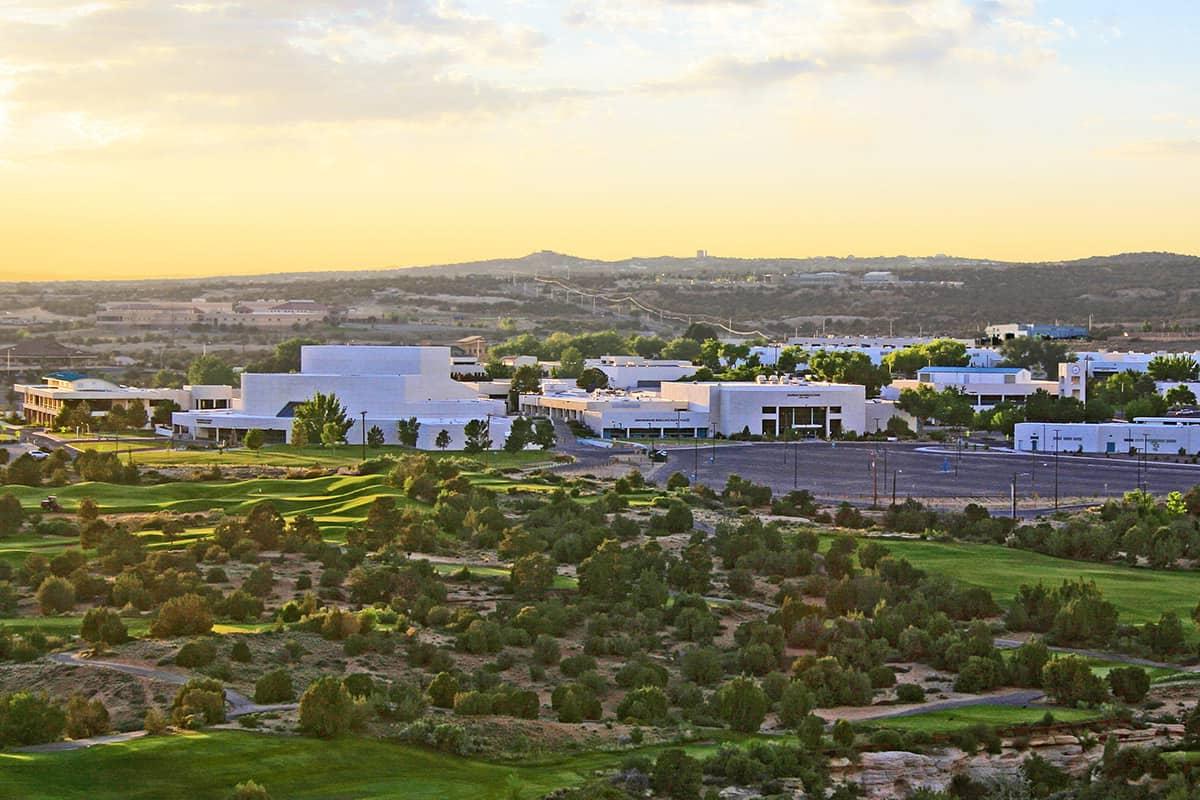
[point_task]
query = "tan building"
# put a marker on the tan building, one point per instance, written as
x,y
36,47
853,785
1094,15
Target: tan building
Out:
x,y
42,403
250,313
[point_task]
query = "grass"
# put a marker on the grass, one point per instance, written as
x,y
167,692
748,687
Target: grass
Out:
x,y
153,453
1140,595
68,625
207,765
1001,716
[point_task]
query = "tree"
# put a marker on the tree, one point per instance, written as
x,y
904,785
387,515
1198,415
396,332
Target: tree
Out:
x,y
317,414
1070,680
543,433
332,435
200,701
74,414
442,441
55,595
27,718
700,332
103,626
849,367
1035,353
286,357
375,437
1130,684
526,379
478,433
208,370
253,438
163,410
532,575
274,687
442,689
1180,396
186,615
1180,367
742,704
327,709
677,775
86,718
519,434
681,350
12,516
794,704
938,353
407,431
592,379
570,363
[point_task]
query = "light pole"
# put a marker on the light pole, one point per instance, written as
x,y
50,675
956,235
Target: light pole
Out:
x,y
1013,492
894,474
363,426
795,458
875,478
1056,449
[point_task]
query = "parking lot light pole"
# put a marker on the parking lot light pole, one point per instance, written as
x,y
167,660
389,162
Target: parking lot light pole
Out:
x,y
363,425
1056,450
795,459
1013,492
894,474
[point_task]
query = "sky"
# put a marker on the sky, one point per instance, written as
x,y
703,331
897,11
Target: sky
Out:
x,y
149,138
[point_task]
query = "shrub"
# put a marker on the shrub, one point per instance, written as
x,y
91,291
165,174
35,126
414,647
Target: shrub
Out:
x,y
274,687
249,790
647,705
359,684
742,704
186,615
102,625
155,722
241,652
27,718
327,709
574,666
677,775
1130,684
910,693
86,718
545,649
196,653
200,701
1070,680
55,595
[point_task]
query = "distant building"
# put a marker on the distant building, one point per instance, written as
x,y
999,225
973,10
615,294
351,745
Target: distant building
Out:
x,y
41,403
986,387
879,278
476,346
635,372
387,383
250,313
1003,333
699,410
1153,435
44,353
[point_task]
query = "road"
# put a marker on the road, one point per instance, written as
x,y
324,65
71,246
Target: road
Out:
x,y
239,704
1020,698
843,471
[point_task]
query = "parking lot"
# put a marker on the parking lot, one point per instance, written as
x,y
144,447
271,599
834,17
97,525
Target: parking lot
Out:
x,y
939,475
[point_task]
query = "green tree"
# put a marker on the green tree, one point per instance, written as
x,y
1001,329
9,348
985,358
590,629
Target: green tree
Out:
x,y
1180,367
327,709
249,790
677,775
375,437
938,353
12,515
86,718
186,615
543,433
532,575
478,435
274,687
55,595
1034,353
208,370
317,414
742,704
442,441
200,701
682,350
163,410
407,431
1070,680
27,718
570,363
849,367
102,625
253,438
1180,396
592,379
526,379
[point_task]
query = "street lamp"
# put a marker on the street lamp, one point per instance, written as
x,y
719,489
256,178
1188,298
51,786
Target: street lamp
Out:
x,y
363,431
795,457
894,474
1013,492
1056,451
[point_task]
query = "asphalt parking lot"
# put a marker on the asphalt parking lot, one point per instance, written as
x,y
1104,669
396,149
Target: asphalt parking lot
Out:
x,y
844,472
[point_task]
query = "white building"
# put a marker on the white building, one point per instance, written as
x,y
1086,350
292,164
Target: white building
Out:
x,y
1154,435
986,386
1093,365
377,384
41,403
701,409
635,372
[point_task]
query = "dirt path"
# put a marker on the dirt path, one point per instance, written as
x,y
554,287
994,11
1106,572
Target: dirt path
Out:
x,y
239,704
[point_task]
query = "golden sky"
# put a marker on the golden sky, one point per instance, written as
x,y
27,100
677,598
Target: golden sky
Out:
x,y
159,139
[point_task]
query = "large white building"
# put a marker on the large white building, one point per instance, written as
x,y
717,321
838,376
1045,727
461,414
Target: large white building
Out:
x,y
635,372
762,408
387,383
42,402
1153,435
987,387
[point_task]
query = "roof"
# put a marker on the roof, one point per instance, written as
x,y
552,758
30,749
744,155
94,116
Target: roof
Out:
x,y
972,370
40,348
66,375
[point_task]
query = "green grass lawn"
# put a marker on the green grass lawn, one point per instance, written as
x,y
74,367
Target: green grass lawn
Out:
x,y
1140,595
959,718
205,766
151,453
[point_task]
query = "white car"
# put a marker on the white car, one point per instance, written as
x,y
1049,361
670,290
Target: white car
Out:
x,y
38,455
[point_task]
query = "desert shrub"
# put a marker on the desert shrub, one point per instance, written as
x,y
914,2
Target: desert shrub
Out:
x,y
200,701
186,615
196,653
910,693
274,687
327,708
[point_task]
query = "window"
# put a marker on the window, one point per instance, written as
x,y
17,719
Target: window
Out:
x,y
835,409
1010,378
768,409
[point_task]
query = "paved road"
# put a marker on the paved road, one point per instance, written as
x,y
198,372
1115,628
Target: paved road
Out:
x,y
1020,697
81,744
1120,658
844,472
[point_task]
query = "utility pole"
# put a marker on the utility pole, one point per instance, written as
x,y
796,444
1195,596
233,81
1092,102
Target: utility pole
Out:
x,y
894,474
795,462
1056,451
875,479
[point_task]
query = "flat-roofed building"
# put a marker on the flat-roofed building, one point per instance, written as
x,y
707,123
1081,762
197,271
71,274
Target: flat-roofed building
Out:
x,y
42,403
987,387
